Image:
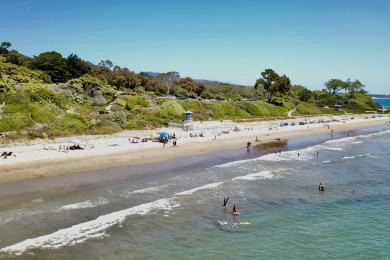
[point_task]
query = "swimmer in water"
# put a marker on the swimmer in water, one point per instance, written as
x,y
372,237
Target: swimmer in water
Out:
x,y
235,212
225,201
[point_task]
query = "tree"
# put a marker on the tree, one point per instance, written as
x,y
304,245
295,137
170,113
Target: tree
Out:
x,y
186,83
76,66
168,78
15,58
200,88
355,86
4,46
271,83
106,64
53,64
335,85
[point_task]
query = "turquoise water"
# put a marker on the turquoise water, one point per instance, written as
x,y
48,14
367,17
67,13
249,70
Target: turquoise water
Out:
x,y
383,101
176,217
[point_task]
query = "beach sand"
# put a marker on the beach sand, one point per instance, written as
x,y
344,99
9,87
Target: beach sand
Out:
x,y
41,158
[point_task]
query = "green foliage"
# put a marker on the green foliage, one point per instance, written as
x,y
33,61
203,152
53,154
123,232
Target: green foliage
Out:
x,y
129,102
171,109
304,108
15,58
271,83
73,124
76,67
12,75
53,64
4,46
15,122
100,99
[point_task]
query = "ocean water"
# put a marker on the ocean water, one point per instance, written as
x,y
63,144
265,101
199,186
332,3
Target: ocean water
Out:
x,y
385,102
174,216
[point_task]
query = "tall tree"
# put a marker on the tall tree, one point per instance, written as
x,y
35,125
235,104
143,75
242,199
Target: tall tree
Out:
x,y
76,66
273,84
53,64
333,86
4,46
355,86
106,64
168,77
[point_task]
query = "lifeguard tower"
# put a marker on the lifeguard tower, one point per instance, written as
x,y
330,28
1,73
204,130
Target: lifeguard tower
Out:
x,y
187,116
186,125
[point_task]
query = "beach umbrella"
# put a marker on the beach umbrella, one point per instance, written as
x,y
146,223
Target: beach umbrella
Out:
x,y
164,135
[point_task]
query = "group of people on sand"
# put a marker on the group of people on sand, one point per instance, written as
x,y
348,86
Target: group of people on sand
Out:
x,y
69,147
6,154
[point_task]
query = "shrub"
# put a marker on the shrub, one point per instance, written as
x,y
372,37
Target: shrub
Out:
x,y
15,122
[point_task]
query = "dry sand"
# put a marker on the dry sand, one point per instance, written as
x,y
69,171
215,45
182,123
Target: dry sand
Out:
x,y
41,158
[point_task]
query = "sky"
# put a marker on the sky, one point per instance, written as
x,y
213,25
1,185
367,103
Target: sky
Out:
x,y
231,41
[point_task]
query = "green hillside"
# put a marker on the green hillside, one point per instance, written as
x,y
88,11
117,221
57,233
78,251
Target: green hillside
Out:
x,y
51,96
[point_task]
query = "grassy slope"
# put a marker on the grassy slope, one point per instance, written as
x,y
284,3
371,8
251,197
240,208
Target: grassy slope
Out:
x,y
30,107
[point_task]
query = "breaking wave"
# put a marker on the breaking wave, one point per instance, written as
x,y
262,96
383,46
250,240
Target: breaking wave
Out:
x,y
92,229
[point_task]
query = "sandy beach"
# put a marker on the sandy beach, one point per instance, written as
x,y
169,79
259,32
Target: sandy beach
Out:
x,y
42,158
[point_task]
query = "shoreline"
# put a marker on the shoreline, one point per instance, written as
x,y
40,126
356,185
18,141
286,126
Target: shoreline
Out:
x,y
141,154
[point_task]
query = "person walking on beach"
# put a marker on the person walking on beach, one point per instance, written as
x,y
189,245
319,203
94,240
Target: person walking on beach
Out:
x,y
174,143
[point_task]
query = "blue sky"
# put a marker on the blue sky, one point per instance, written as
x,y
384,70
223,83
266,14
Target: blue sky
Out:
x,y
232,41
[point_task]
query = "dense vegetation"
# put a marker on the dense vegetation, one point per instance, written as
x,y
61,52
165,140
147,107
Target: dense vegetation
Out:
x,y
50,95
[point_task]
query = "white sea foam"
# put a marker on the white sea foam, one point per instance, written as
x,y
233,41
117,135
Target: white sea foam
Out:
x,y
204,187
15,215
86,204
92,229
355,156
333,148
229,164
342,140
142,191
306,153
147,190
263,175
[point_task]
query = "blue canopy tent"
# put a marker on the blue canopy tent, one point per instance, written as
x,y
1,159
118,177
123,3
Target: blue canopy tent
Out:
x,y
164,135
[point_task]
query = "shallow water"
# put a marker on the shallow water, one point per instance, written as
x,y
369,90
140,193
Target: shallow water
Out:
x,y
174,215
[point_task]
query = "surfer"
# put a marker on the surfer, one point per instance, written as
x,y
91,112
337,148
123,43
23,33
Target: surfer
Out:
x,y
225,201
321,187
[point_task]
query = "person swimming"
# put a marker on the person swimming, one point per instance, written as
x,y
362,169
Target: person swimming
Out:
x,y
225,201
235,212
